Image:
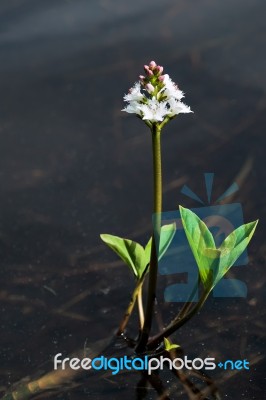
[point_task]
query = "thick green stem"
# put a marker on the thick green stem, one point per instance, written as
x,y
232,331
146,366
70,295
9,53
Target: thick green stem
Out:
x,y
178,322
157,209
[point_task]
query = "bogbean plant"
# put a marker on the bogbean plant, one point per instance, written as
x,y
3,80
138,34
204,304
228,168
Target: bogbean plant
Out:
x,y
156,100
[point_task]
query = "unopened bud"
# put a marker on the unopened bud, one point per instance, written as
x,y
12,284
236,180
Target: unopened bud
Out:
x,y
148,70
152,64
149,87
161,78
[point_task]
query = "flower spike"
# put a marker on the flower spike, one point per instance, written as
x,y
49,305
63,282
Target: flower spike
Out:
x,y
155,97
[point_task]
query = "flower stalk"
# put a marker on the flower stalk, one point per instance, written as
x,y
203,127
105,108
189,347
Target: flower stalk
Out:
x,y
157,209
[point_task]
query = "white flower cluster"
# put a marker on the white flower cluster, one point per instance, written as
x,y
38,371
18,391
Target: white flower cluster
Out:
x,y
155,97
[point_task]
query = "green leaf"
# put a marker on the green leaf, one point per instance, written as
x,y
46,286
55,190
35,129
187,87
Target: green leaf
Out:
x,y
214,263
132,253
167,234
233,246
169,346
202,245
209,264
147,251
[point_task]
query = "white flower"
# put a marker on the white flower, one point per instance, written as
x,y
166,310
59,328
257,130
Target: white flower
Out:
x,y
133,108
134,93
177,107
170,89
153,110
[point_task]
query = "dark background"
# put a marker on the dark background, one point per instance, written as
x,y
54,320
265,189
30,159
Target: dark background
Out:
x,y
72,166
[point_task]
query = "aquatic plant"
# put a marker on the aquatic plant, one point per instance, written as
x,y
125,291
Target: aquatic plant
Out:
x,y
156,100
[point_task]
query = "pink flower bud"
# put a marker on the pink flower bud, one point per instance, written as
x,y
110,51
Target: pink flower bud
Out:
x,y
141,78
152,64
161,78
148,70
149,87
158,70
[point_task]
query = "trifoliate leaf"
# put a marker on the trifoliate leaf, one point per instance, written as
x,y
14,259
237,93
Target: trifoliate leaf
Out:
x,y
169,346
132,253
214,263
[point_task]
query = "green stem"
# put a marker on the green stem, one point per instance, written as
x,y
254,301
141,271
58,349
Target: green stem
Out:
x,y
178,322
130,308
140,307
187,305
157,209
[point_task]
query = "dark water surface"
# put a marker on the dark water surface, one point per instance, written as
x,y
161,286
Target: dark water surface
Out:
x,y
72,166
